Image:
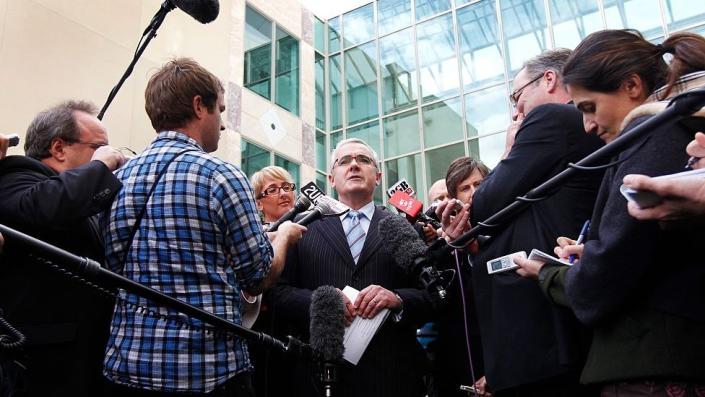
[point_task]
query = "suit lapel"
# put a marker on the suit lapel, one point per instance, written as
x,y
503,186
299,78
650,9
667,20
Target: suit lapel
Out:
x,y
332,231
372,241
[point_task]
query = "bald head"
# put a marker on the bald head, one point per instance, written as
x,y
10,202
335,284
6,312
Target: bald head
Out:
x,y
438,191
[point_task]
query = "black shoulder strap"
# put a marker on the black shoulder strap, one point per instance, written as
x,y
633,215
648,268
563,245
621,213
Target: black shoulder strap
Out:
x,y
138,220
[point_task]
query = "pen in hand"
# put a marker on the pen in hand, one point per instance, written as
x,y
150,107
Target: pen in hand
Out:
x,y
691,162
581,237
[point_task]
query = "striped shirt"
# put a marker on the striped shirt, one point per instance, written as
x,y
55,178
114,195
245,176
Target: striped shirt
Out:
x,y
199,241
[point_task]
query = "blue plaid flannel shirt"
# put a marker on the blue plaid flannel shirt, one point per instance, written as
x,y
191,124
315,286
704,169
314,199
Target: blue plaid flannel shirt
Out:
x,y
200,241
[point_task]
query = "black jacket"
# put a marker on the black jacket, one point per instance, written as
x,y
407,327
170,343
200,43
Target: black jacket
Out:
x,y
66,325
525,338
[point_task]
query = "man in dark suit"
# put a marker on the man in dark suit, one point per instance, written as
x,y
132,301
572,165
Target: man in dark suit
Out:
x,y
52,193
348,251
533,348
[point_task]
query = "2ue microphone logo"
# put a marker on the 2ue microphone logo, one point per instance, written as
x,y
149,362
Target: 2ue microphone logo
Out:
x,y
312,192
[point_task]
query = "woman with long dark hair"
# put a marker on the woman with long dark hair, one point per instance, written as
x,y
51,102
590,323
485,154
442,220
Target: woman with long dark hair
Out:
x,y
639,287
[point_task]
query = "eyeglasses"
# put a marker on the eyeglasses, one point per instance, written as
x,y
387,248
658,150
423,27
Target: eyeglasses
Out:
x,y
93,145
286,187
516,94
360,159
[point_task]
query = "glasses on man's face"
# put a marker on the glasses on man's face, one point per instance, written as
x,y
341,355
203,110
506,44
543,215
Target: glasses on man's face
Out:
x,y
516,94
275,190
360,159
93,145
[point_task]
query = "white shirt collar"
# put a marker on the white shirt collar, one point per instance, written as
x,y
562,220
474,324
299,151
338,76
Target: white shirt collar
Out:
x,y
368,209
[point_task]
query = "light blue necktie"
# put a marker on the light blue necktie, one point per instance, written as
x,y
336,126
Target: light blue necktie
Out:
x,y
355,234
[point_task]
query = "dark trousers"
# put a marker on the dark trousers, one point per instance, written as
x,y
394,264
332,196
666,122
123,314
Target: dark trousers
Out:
x,y
238,386
657,389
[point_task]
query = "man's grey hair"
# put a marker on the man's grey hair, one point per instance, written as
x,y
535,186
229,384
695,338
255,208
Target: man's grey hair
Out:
x,y
548,60
56,122
347,142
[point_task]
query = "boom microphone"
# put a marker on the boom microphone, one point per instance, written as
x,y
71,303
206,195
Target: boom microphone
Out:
x,y
409,252
301,205
204,11
327,329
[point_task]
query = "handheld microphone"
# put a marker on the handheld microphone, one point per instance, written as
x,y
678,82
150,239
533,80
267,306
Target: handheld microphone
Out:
x,y
412,208
325,206
409,252
327,329
204,11
301,205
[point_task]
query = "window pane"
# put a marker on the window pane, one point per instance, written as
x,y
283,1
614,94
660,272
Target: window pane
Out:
x,y
320,91
401,134
322,181
684,13
319,35
438,160
254,158
571,24
361,83
642,15
487,111
393,15
334,90
359,26
525,31
398,69
287,80
335,137
290,166
367,132
334,35
258,53
427,8
442,123
480,56
488,149
439,67
408,168
321,152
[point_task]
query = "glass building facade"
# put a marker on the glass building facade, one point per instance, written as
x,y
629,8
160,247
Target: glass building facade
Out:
x,y
427,81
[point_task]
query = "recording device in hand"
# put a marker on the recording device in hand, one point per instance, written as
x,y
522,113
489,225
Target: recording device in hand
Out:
x,y
431,211
327,328
410,252
503,263
301,205
204,11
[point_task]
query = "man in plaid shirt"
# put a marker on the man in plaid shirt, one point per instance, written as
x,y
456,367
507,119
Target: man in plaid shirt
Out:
x,y
199,240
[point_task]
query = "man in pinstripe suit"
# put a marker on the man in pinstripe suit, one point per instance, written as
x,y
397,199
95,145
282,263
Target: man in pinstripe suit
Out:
x,y
342,251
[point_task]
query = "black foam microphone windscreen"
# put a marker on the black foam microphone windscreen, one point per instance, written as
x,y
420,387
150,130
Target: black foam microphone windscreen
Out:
x,y
203,11
327,326
301,205
401,241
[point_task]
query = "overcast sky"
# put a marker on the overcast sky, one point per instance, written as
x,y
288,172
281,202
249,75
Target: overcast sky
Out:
x,y
328,8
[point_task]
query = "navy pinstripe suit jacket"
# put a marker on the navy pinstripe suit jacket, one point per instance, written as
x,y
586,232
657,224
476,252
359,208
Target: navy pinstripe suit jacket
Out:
x,y
393,364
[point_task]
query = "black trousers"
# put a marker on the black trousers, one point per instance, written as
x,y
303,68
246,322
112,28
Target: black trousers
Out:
x,y
238,386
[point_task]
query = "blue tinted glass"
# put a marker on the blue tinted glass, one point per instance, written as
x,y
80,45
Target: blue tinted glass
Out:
x,y
401,134
488,149
438,160
442,123
359,26
335,92
487,111
684,13
408,168
367,132
334,35
398,70
438,64
322,181
393,15
642,15
320,92
321,152
361,83
287,67
290,166
481,60
525,31
572,24
319,35
253,158
258,53
427,8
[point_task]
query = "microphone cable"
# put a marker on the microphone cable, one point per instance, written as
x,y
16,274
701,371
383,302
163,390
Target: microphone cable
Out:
x,y
465,316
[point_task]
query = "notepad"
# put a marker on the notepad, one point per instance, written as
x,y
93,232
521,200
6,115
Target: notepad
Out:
x,y
541,256
360,333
